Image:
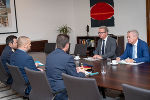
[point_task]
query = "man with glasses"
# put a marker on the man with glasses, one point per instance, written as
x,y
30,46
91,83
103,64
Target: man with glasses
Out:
x,y
106,45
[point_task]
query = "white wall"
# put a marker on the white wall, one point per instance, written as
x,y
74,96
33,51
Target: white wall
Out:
x,y
39,19
129,14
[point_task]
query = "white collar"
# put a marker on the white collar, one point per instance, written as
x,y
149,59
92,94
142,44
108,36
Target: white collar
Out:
x,y
136,43
106,39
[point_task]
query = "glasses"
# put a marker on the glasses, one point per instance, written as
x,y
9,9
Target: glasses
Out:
x,y
101,32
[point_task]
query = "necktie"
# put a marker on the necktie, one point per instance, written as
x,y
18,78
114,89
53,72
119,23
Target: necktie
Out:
x,y
133,52
103,47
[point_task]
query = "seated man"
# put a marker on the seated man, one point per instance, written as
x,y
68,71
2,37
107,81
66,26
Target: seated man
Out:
x,y
11,45
106,45
136,49
21,58
59,62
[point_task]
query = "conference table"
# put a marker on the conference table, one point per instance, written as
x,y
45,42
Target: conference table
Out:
x,y
136,75
116,75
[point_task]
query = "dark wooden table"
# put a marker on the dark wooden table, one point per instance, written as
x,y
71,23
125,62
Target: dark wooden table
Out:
x,y
136,75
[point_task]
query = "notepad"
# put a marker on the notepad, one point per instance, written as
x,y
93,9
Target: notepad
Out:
x,y
124,62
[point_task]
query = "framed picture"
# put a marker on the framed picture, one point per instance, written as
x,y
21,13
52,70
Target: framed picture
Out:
x,y
8,20
102,13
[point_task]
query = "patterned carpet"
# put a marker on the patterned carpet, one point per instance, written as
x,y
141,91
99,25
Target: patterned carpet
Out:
x,y
6,93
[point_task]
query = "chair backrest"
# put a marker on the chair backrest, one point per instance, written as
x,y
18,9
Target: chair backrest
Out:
x,y
41,89
49,47
3,74
135,93
80,49
19,84
81,88
118,51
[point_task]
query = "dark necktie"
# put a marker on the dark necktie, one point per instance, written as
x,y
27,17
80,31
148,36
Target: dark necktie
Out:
x,y
103,47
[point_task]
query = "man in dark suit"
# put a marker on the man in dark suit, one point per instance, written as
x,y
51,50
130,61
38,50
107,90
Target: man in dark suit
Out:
x,y
59,62
106,45
11,45
136,49
21,58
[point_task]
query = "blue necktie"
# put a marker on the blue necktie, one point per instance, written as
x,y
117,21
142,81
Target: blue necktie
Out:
x,y
133,52
103,47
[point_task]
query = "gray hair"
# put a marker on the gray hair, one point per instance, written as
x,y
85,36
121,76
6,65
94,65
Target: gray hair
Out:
x,y
135,32
104,27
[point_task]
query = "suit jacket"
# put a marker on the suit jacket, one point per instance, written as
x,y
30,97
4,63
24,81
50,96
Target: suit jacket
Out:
x,y
142,51
59,62
5,57
110,48
21,59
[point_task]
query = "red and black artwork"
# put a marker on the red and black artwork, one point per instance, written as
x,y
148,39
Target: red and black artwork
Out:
x,y
102,13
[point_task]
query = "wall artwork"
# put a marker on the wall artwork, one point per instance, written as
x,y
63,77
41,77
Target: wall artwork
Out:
x,y
102,13
8,21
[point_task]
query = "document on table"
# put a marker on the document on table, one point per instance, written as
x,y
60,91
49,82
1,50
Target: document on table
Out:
x,y
90,59
124,62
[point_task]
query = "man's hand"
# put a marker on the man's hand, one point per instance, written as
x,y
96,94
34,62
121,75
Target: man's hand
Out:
x,y
80,69
97,57
36,64
118,59
128,60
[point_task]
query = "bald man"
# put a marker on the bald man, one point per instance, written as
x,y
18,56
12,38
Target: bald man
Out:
x,y
136,49
21,58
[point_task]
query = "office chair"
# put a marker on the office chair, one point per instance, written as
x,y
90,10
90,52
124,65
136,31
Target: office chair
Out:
x,y
19,85
135,93
41,89
80,49
3,74
81,88
49,47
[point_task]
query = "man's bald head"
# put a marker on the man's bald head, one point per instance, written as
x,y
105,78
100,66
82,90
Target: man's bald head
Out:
x,y
24,43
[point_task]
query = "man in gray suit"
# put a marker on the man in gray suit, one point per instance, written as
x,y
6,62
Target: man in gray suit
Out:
x,y
106,45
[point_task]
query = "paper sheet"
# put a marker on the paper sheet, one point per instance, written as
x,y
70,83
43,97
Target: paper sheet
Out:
x,y
90,59
123,62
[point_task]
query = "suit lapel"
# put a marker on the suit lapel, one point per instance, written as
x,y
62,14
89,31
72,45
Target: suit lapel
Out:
x,y
107,43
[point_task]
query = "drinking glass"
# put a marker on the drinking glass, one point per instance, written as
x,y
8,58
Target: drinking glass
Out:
x,y
108,61
103,69
77,63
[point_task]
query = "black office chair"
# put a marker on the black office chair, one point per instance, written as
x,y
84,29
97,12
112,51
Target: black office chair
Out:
x,y
80,49
135,93
3,74
49,47
118,51
19,85
81,88
40,86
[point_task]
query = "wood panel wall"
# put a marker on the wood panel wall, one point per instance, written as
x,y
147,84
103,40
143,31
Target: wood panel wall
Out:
x,y
36,46
148,20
